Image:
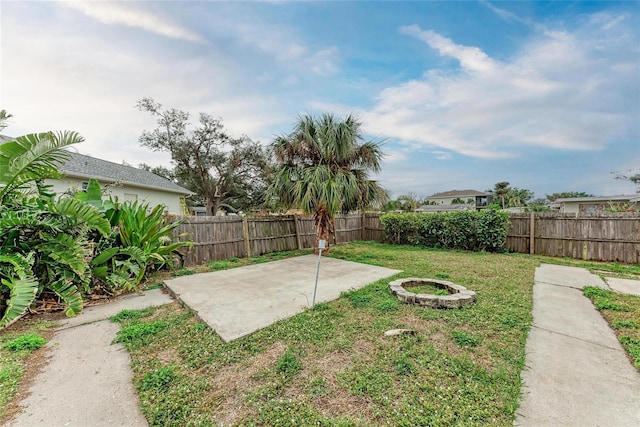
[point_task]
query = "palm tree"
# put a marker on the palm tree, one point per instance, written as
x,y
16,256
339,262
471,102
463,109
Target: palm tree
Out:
x,y
501,189
322,167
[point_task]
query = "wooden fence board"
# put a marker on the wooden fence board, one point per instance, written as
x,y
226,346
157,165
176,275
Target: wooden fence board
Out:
x,y
602,237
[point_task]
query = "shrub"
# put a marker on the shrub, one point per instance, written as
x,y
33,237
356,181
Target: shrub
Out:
x,y
468,230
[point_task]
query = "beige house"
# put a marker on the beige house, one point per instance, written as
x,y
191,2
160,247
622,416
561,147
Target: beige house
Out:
x,y
474,199
121,181
590,205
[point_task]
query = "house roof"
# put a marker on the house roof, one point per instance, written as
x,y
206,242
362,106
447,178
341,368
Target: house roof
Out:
x,y
444,208
82,166
458,193
617,198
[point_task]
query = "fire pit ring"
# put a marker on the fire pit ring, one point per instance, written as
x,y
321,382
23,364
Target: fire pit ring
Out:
x,y
458,296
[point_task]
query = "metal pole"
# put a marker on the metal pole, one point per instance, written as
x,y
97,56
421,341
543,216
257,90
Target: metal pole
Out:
x,y
315,289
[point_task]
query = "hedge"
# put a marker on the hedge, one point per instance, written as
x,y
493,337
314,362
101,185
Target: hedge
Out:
x,y
484,230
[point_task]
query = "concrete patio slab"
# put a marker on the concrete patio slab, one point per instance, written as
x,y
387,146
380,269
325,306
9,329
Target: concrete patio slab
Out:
x,y
577,373
624,286
240,301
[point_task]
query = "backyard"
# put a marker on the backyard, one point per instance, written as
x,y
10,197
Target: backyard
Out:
x,y
334,366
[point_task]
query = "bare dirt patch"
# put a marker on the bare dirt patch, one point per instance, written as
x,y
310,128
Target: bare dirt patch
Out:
x,y
232,383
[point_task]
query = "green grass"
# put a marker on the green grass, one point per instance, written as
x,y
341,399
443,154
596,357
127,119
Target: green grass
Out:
x,y
623,314
427,289
16,346
333,365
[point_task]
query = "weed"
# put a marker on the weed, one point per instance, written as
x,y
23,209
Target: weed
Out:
x,y
156,285
592,292
404,366
289,364
321,306
29,343
389,305
359,300
632,345
442,275
199,327
132,314
137,331
605,304
464,339
427,289
624,324
159,379
185,272
219,265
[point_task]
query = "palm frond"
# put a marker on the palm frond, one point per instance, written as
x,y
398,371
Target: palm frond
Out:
x,y
32,157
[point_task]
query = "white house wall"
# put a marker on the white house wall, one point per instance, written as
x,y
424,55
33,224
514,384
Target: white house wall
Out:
x,y
171,201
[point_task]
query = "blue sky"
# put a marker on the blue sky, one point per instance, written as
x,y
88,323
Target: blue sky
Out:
x,y
464,94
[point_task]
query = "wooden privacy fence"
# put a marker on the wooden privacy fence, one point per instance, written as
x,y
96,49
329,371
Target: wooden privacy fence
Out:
x,y
222,237
598,237
601,237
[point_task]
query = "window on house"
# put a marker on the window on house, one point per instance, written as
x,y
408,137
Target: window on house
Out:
x,y
85,184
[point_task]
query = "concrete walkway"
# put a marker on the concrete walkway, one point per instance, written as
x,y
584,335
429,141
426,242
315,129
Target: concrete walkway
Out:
x,y
87,381
239,301
577,372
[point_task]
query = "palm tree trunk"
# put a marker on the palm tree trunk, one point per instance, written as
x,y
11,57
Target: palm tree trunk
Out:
x,y
323,228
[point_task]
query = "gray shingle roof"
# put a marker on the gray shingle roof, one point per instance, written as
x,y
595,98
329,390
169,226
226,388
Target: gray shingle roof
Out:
x,y
458,193
83,166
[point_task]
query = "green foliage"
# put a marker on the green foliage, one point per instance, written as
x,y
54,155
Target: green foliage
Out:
x,y
29,342
43,246
464,339
323,168
30,158
289,364
138,331
601,299
159,379
469,230
132,314
593,291
624,324
605,304
632,345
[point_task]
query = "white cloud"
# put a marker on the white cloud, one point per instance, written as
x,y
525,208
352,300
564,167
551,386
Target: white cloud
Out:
x,y
123,14
563,90
442,155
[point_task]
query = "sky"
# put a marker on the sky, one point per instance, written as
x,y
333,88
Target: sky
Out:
x,y
461,95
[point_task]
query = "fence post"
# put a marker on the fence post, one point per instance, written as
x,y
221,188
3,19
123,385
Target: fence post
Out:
x,y
245,234
532,232
298,237
362,230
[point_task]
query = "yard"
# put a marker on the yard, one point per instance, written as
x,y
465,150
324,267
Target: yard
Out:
x,y
334,366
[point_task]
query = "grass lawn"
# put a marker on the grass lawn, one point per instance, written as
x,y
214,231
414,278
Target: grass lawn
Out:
x,y
623,314
334,366
19,346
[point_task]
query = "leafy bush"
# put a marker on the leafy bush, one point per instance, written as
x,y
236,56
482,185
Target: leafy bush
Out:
x,y
468,230
26,342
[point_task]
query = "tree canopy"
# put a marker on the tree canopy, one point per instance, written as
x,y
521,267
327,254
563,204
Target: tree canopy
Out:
x,y
323,166
220,169
567,194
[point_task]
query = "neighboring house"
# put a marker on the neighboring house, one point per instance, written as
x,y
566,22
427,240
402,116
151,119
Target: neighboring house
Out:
x,y
444,208
121,181
474,199
589,205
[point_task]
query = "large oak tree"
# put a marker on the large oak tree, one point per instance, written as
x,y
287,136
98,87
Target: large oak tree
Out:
x,y
220,169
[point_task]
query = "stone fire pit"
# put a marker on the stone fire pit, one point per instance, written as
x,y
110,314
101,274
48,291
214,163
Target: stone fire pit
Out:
x,y
458,297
